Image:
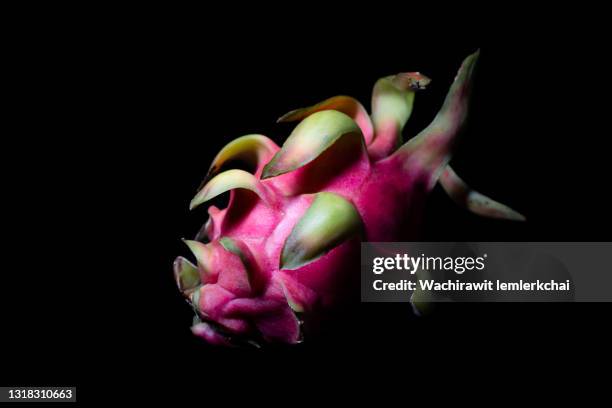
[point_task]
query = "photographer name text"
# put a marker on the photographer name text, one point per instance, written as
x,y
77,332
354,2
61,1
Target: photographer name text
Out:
x,y
457,285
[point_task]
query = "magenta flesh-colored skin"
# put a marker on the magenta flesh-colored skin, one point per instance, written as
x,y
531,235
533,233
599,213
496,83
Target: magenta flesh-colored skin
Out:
x,y
250,296
240,310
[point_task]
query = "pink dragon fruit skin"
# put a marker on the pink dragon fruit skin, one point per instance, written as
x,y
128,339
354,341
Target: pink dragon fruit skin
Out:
x,y
288,242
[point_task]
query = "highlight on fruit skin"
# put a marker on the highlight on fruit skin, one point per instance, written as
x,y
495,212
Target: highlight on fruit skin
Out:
x,y
287,243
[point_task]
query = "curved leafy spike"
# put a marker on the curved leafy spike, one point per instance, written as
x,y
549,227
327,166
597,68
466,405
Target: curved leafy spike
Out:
x,y
194,299
392,102
345,104
186,274
237,276
232,246
225,181
432,148
203,255
299,297
239,248
475,202
254,149
295,305
309,139
206,232
330,220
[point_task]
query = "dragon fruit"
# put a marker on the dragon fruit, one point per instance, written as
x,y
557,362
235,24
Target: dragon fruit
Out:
x,y
286,247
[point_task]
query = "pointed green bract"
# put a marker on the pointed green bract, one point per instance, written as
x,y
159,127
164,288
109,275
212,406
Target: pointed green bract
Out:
x,y
393,99
203,255
232,246
431,149
474,201
241,277
222,182
392,103
252,149
310,138
455,107
293,304
186,274
330,220
194,299
345,104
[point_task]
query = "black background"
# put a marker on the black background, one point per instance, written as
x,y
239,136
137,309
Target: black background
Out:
x,y
121,122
